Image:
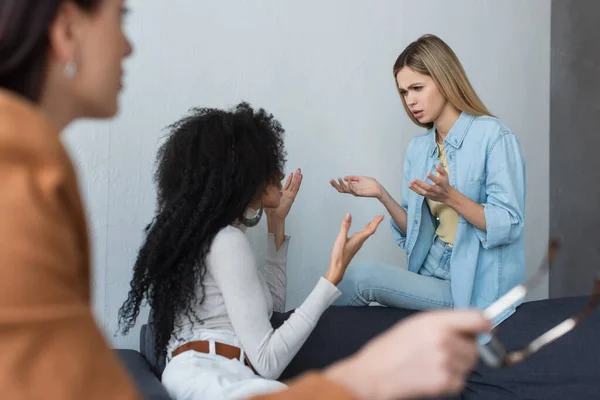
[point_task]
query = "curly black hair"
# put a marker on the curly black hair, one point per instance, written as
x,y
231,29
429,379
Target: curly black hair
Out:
x,y
213,164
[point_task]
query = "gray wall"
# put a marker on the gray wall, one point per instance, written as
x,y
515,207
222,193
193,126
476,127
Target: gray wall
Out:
x,y
575,144
323,68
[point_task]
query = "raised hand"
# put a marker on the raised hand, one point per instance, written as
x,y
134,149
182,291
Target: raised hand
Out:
x,y
359,186
288,195
439,191
345,248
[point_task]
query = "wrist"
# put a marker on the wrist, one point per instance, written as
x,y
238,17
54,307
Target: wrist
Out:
x,y
453,198
383,195
332,277
275,224
353,378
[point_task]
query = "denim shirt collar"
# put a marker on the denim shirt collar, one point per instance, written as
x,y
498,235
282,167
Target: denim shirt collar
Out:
x,y
456,135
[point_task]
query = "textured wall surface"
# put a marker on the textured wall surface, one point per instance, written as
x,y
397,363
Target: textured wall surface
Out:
x,y
323,68
575,145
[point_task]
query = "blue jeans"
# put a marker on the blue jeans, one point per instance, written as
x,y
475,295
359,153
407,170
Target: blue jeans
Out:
x,y
394,286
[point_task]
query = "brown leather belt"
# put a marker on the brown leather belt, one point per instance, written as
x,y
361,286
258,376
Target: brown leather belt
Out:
x,y
221,349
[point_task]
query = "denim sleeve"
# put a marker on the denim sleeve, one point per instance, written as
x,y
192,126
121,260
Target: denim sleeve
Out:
x,y
505,189
397,233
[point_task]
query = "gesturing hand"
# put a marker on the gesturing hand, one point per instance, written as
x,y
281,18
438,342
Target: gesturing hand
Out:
x,y
359,186
288,195
439,191
345,248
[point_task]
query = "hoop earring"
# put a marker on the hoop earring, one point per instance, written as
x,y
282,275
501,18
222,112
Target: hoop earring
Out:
x,y
250,222
70,69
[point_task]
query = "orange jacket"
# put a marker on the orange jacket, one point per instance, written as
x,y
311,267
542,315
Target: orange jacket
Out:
x,y
50,347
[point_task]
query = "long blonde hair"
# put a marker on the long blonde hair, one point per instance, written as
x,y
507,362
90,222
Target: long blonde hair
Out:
x,y
430,55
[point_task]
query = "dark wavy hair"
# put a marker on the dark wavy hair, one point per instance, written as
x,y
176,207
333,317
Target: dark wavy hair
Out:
x,y
24,42
211,167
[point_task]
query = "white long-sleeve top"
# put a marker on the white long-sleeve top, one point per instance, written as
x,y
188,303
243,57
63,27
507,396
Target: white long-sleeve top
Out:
x,y
240,297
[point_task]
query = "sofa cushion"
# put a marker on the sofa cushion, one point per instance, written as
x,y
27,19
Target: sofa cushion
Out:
x,y
340,332
566,369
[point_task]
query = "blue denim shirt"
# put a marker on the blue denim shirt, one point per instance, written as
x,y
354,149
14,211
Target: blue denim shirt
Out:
x,y
486,164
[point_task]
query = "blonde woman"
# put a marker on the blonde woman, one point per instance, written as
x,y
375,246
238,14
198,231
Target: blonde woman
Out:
x,y
461,215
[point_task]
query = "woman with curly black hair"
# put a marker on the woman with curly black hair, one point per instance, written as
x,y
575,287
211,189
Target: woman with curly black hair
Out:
x,y
217,171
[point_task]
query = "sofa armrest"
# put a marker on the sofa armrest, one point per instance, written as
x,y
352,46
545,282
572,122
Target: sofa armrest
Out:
x,y
143,348
148,384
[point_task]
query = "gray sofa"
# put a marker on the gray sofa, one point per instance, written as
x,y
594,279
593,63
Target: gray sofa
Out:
x,y
568,369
